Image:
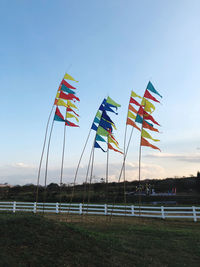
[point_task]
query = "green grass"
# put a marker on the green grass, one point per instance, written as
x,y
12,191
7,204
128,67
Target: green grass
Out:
x,y
34,240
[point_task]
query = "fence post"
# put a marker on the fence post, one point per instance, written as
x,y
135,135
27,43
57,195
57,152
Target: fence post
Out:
x,y
163,212
14,206
34,207
105,209
57,207
194,213
80,208
132,210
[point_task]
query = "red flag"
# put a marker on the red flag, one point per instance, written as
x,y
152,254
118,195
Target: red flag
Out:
x,y
148,95
58,113
68,96
67,84
69,123
133,101
149,117
147,126
132,123
70,109
144,142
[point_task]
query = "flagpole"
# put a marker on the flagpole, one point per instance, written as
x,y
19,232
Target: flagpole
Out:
x,y
41,158
76,173
61,172
47,159
107,172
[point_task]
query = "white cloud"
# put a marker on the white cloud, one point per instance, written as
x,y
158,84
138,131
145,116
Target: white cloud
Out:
x,y
188,157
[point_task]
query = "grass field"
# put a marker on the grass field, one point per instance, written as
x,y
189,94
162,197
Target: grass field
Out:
x,y
34,240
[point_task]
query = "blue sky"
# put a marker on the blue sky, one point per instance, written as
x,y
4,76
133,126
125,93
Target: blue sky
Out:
x,y
111,47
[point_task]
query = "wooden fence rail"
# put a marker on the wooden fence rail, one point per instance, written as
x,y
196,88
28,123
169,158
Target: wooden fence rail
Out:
x,y
104,209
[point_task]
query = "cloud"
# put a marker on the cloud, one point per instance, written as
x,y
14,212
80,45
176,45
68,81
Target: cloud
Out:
x,y
21,173
187,157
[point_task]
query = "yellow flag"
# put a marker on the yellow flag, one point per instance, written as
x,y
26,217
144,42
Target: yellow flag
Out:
x,y
133,94
69,115
147,135
69,77
148,106
131,115
70,104
110,140
61,102
58,94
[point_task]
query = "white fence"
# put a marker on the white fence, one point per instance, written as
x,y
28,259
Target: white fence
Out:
x,y
104,209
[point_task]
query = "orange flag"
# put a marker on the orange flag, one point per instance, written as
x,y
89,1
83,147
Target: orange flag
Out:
x,y
147,126
110,147
144,142
132,123
132,108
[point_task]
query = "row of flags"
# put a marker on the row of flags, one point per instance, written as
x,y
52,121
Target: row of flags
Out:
x,y
64,97
139,115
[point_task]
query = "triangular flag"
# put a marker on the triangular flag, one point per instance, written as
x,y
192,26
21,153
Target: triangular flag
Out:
x,y
132,108
60,102
144,142
112,102
148,95
102,131
133,94
94,127
58,113
148,106
96,145
99,138
147,135
70,109
132,123
131,115
69,123
70,104
133,101
151,88
67,90
111,147
69,77
68,96
147,126
69,115
57,118
67,84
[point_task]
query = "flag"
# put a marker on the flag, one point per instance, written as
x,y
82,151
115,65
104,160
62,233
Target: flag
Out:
x,y
69,123
147,126
133,101
133,94
69,115
131,115
96,120
112,102
151,88
60,102
111,147
70,109
69,77
68,96
67,90
94,127
59,114
70,104
147,135
149,117
99,138
132,123
111,140
57,118
96,145
132,108
148,106
106,125
102,131
144,142
67,84
148,95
